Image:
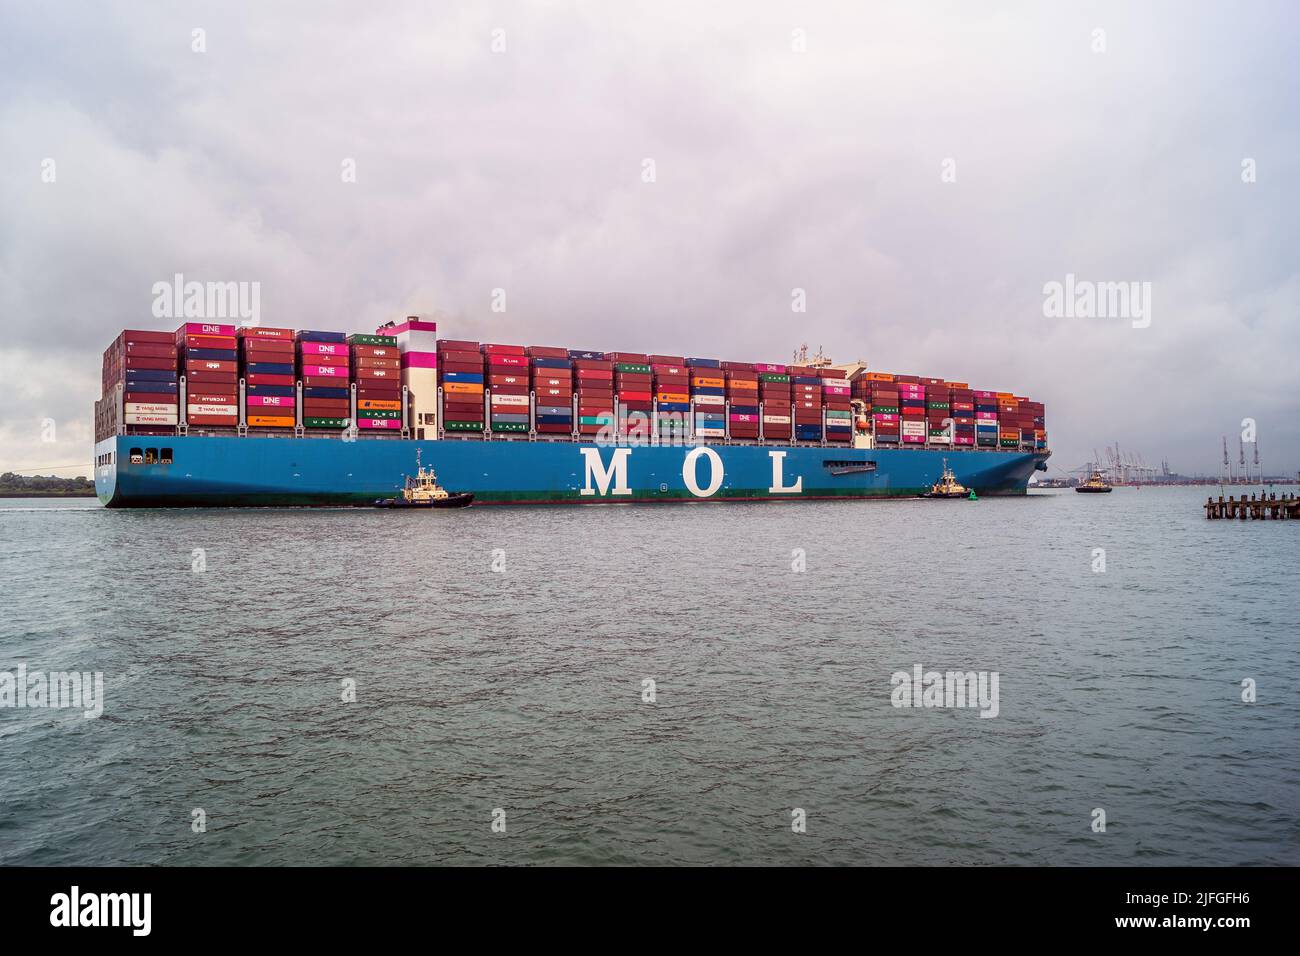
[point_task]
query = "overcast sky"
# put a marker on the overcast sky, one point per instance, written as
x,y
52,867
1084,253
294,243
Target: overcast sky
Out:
x,y
774,169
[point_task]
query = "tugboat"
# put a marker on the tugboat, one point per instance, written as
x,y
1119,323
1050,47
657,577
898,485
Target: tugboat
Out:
x,y
423,491
1095,485
948,486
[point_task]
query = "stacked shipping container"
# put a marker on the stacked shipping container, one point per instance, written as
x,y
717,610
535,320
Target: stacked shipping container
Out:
x,y
593,380
634,392
267,364
806,392
145,365
324,367
509,387
837,402
461,375
708,397
379,371
672,391
961,405
775,401
536,387
209,359
551,372
742,396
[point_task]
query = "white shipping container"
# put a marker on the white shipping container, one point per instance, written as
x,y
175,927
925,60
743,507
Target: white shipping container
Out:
x,y
913,427
131,419
521,400
228,410
776,419
709,400
141,408
711,432
940,440
418,341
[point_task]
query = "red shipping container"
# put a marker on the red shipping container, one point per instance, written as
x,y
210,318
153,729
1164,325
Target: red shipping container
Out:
x,y
509,389
377,351
666,360
149,398
504,350
378,374
469,358
554,429
258,333
271,346
155,364
324,381
553,382
263,379
628,358
595,375
228,342
473,368
150,350
325,407
366,361
143,336
546,351
513,379
202,376
601,364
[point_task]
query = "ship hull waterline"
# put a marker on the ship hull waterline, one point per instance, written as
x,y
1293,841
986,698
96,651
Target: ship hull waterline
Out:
x,y
221,471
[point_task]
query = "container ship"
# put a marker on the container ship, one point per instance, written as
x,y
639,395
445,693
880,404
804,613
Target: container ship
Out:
x,y
215,415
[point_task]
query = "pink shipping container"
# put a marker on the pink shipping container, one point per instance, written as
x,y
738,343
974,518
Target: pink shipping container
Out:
x,y
745,419
914,439
204,328
770,369
276,401
336,371
419,360
390,423
324,348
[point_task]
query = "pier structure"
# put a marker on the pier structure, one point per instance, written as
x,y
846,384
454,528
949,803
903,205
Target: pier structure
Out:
x,y
1256,507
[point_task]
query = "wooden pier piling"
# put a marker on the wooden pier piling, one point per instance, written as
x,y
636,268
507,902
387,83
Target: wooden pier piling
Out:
x,y
1257,507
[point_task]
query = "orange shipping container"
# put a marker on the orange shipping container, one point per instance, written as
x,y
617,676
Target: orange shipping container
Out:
x,y
271,421
373,404
673,397
708,382
462,388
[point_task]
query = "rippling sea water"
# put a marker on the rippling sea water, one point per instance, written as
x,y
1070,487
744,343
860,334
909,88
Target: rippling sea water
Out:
x,y
522,689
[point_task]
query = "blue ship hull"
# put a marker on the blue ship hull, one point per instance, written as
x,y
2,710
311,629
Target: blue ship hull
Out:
x,y
233,471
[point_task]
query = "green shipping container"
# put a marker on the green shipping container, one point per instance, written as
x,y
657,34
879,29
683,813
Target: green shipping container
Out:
x,y
324,422
884,409
463,426
509,427
937,405
632,367
837,413
594,420
378,413
772,377
360,339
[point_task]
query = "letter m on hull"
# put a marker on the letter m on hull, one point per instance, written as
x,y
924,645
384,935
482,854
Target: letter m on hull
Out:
x,y
603,476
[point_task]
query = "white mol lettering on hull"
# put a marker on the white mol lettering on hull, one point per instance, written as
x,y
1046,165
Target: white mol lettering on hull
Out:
x,y
611,479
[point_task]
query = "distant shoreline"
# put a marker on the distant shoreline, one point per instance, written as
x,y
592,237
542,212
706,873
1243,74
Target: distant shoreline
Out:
x,y
47,494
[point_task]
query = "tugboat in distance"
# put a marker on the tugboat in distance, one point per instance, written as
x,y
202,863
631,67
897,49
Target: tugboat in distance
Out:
x,y
423,491
1095,485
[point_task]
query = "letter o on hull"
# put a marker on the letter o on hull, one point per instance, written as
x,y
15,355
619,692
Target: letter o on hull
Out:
x,y
715,475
